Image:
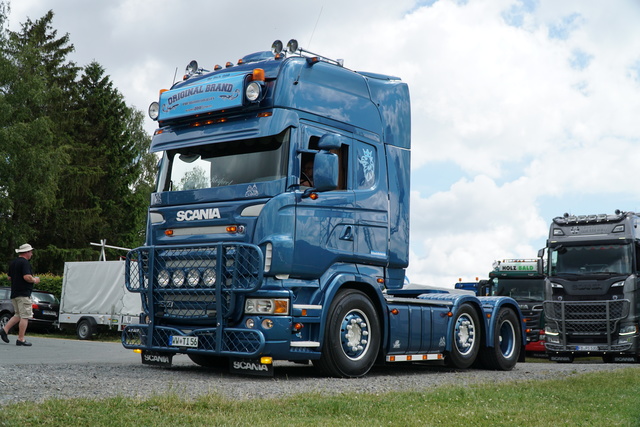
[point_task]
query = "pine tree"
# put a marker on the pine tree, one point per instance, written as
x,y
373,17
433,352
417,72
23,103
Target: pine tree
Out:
x,y
74,161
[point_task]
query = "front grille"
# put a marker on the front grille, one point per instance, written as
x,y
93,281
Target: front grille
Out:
x,y
199,282
585,318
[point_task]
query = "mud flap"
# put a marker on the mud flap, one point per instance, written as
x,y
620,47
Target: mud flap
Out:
x,y
250,367
157,359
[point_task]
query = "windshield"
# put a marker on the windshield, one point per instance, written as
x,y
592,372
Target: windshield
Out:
x,y
585,260
225,163
519,289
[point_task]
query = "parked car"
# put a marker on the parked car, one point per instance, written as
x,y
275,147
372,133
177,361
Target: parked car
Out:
x,y
45,306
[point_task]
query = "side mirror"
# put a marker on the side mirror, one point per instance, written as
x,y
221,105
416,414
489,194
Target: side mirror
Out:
x,y
330,141
540,265
325,171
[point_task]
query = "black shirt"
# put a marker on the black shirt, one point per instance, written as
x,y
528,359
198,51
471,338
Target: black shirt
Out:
x,y
18,268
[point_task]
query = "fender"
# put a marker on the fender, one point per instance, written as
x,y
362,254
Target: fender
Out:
x,y
455,301
491,306
337,281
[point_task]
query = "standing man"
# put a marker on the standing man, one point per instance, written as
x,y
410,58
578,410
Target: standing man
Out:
x,y
22,281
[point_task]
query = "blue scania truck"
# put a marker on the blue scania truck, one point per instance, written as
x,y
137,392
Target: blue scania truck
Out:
x,y
279,228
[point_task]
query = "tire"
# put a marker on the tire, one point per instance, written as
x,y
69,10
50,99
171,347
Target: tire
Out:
x,y
208,361
85,329
507,343
465,338
4,318
352,336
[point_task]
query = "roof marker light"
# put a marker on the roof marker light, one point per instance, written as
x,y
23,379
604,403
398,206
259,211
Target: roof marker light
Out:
x,y
258,74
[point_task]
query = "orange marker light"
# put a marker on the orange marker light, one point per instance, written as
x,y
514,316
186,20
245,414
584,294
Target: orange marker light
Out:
x,y
168,233
258,74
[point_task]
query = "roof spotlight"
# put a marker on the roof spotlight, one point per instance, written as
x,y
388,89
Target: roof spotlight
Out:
x,y
192,68
276,47
292,46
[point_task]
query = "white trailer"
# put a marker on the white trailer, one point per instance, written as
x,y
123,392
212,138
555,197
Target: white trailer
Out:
x,y
94,297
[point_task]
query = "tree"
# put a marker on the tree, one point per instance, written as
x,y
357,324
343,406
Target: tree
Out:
x,y
74,161
109,178
31,148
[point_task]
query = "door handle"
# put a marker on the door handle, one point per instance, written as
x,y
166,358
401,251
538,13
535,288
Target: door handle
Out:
x,y
347,234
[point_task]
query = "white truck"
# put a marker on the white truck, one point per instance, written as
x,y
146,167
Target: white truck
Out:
x,y
95,298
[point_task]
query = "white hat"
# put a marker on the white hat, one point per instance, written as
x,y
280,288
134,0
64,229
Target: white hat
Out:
x,y
24,248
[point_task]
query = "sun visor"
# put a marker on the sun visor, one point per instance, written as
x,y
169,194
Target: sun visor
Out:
x,y
253,127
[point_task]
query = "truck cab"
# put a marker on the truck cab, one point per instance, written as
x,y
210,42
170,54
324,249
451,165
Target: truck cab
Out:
x,y
520,280
279,228
591,292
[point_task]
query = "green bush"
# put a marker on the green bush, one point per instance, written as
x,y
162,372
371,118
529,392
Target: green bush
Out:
x,y
48,283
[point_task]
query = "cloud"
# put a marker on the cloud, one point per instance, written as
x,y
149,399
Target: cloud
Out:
x,y
521,109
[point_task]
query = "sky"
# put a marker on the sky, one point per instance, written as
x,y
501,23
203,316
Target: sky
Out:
x,y
522,110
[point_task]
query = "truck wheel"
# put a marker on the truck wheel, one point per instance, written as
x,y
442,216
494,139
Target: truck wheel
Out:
x,y
208,361
85,330
351,336
465,339
507,341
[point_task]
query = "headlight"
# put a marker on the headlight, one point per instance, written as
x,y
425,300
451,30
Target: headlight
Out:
x,y
253,91
556,285
193,278
629,330
154,110
163,278
266,306
550,331
178,278
618,284
209,277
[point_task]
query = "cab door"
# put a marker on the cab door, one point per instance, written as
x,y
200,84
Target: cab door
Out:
x,y
325,227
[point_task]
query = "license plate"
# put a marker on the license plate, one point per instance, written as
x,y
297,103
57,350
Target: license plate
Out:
x,y
183,341
48,313
587,348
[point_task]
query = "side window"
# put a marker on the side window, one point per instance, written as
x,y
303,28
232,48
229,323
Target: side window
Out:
x,y
366,166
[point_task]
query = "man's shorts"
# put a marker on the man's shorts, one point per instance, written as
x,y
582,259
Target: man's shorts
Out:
x,y
22,307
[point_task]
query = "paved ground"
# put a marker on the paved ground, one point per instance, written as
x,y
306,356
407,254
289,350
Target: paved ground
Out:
x,y
55,351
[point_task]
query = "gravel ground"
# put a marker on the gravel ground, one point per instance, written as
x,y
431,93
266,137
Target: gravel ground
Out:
x,y
21,383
